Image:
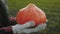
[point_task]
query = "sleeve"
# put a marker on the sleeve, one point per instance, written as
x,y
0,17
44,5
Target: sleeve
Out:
x,y
6,30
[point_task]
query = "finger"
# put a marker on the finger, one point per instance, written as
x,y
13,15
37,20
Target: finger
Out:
x,y
18,28
38,28
41,26
24,26
28,24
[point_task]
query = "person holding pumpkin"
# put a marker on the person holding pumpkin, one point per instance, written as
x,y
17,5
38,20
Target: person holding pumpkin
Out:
x,y
25,26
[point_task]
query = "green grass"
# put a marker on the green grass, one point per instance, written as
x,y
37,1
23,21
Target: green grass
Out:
x,y
50,7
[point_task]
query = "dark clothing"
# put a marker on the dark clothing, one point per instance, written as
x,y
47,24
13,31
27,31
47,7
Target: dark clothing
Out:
x,y
4,19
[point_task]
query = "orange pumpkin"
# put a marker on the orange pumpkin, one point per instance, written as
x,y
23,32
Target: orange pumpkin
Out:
x,y
31,12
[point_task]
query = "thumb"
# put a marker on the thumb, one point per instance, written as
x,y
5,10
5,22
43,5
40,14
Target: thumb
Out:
x,y
28,24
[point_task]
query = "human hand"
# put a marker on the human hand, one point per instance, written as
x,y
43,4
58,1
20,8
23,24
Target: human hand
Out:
x,y
36,29
18,28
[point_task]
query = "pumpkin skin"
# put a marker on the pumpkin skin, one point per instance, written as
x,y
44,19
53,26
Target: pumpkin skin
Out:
x,y
31,12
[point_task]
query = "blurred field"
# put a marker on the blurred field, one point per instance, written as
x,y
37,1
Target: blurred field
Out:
x,y
50,7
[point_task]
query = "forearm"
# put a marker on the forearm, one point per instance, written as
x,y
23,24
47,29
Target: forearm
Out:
x,y
6,30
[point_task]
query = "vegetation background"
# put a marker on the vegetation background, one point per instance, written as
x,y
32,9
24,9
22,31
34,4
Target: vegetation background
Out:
x,y
50,7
